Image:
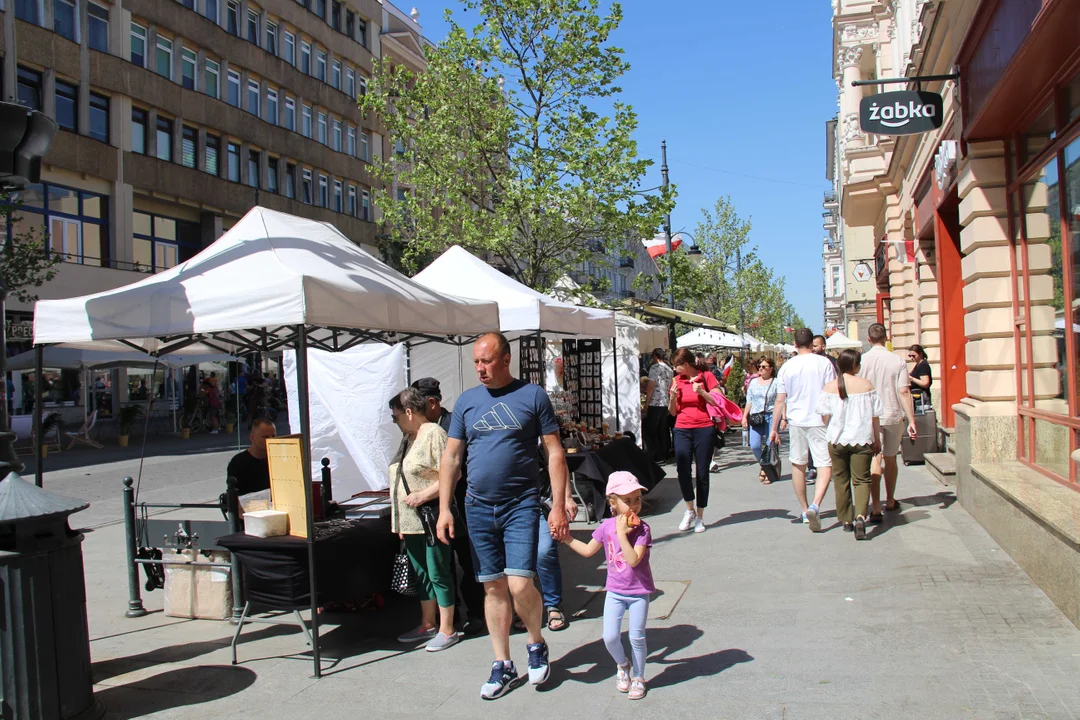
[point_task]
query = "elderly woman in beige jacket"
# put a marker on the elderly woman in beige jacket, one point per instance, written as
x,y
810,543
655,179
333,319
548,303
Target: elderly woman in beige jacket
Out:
x,y
421,448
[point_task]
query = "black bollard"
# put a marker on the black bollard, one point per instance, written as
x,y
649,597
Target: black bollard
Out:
x,y
135,605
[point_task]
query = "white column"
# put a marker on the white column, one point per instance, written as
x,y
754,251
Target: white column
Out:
x,y
847,62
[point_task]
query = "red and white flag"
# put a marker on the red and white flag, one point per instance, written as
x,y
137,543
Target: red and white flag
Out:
x,y
788,328
727,366
658,245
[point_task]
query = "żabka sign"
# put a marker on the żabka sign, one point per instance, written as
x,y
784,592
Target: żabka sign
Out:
x,y
905,112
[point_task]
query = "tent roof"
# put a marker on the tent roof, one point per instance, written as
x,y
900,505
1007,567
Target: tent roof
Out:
x,y
683,316
521,309
840,341
63,356
709,338
270,270
649,336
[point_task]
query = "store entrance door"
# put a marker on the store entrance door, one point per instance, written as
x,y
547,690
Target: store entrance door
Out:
x,y
953,381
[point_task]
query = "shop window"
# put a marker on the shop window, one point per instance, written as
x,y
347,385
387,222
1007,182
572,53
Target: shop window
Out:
x,y
138,130
75,219
213,152
163,242
66,19
1071,98
29,88
67,102
138,45
98,26
99,117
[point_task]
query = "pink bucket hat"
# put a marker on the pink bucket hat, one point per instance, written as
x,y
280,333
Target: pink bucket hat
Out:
x,y
622,483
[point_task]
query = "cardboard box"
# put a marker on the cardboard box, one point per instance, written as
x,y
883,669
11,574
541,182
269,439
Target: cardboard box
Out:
x,y
203,593
266,523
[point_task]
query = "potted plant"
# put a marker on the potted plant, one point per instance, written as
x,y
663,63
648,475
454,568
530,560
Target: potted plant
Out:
x,y
127,417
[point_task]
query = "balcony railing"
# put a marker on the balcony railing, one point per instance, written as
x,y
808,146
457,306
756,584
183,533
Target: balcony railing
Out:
x,y
830,197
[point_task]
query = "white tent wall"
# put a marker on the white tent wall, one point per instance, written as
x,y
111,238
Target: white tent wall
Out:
x,y
451,365
350,419
625,354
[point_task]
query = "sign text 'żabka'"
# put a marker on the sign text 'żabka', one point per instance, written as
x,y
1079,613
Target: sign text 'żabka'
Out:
x,y
904,112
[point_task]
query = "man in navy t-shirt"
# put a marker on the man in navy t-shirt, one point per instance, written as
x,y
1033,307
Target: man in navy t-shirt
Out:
x,y
501,423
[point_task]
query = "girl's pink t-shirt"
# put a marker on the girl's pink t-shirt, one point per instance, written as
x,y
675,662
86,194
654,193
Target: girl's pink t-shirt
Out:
x,y
621,578
691,411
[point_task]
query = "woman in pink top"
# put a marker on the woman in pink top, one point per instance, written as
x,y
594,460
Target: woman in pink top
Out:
x,y
694,433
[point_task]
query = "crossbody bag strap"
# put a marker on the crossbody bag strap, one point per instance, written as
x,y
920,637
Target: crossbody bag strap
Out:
x,y
401,465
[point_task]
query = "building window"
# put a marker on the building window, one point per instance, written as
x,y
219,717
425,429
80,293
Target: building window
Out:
x,y
305,57
836,281
290,181
189,4
76,221
290,48
363,85
138,131
322,128
337,196
306,127
30,11
361,31
232,18
350,23
234,88
335,74
335,15
320,65
29,88
189,140
337,135
233,151
67,100
365,205
254,160
271,174
350,148
99,117
365,147
305,187
164,139
164,57
188,61
138,45
253,27
290,113
352,200
210,10
65,19
162,242
324,191
320,8
350,82
98,18
212,79
213,151
253,98
271,38
271,106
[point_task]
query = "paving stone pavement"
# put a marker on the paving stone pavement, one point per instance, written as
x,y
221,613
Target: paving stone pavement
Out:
x,y
928,619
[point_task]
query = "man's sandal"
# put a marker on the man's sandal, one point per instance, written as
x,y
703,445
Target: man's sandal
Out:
x,y
556,620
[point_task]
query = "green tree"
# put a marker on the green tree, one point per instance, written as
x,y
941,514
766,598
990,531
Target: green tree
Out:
x,y
503,144
27,263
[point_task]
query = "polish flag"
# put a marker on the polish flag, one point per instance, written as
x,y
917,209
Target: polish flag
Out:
x,y
658,245
727,366
788,328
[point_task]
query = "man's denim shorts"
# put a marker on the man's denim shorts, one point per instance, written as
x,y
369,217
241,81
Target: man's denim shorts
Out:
x,y
503,536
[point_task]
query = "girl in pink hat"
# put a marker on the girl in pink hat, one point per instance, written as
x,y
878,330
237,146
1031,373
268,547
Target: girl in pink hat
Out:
x,y
626,540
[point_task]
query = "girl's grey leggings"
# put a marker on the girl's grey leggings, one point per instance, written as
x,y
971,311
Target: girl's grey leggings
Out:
x,y
615,606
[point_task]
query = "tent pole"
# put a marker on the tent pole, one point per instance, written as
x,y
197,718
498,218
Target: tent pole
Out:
x,y
305,458
85,394
39,361
408,366
615,376
237,394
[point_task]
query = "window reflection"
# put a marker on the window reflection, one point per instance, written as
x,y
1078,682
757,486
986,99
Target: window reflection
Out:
x,y
1043,223
1070,308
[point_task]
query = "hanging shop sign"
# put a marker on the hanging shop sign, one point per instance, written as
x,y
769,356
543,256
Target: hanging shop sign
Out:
x,y
862,272
904,112
19,331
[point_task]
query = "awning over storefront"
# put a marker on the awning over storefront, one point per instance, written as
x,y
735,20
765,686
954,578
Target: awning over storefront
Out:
x,y
683,316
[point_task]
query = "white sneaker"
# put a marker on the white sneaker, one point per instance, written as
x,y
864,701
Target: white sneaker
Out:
x,y
699,525
715,467
688,519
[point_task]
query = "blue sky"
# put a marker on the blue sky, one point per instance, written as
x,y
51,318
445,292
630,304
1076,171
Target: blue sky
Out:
x,y
741,92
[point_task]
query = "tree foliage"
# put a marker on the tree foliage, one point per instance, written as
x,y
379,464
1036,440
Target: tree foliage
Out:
x,y
730,275
26,261
505,147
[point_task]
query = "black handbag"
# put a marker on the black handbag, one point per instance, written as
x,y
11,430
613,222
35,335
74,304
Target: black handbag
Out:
x,y
759,418
428,512
403,578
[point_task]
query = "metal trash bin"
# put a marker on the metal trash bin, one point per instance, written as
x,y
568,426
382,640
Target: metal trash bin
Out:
x,y
44,640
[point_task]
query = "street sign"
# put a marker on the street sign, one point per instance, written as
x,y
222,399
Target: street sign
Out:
x,y
905,112
862,272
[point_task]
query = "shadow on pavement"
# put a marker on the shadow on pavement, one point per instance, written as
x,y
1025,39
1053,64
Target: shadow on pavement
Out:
x,y
667,640
181,687
735,519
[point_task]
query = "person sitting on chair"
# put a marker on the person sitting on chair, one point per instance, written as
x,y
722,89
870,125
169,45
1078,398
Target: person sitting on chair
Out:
x,y
250,467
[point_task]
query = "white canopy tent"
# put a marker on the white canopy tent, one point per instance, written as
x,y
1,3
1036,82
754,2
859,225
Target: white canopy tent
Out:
x,y
273,281
75,358
702,337
840,341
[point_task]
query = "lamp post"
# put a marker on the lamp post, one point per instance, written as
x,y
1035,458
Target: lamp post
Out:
x,y
667,226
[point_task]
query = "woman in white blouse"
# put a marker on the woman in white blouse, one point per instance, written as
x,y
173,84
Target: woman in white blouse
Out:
x,y
850,407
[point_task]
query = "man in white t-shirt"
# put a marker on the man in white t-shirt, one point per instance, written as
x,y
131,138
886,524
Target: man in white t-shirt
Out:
x,y
799,384
888,373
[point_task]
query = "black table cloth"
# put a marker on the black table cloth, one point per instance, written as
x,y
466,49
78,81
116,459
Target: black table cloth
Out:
x,y
597,465
352,561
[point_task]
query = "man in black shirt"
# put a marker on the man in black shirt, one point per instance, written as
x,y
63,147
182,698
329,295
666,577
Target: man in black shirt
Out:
x,y
471,591
250,467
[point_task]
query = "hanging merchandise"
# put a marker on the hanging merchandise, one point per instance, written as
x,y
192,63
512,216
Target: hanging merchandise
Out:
x,y
571,376
532,360
590,395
